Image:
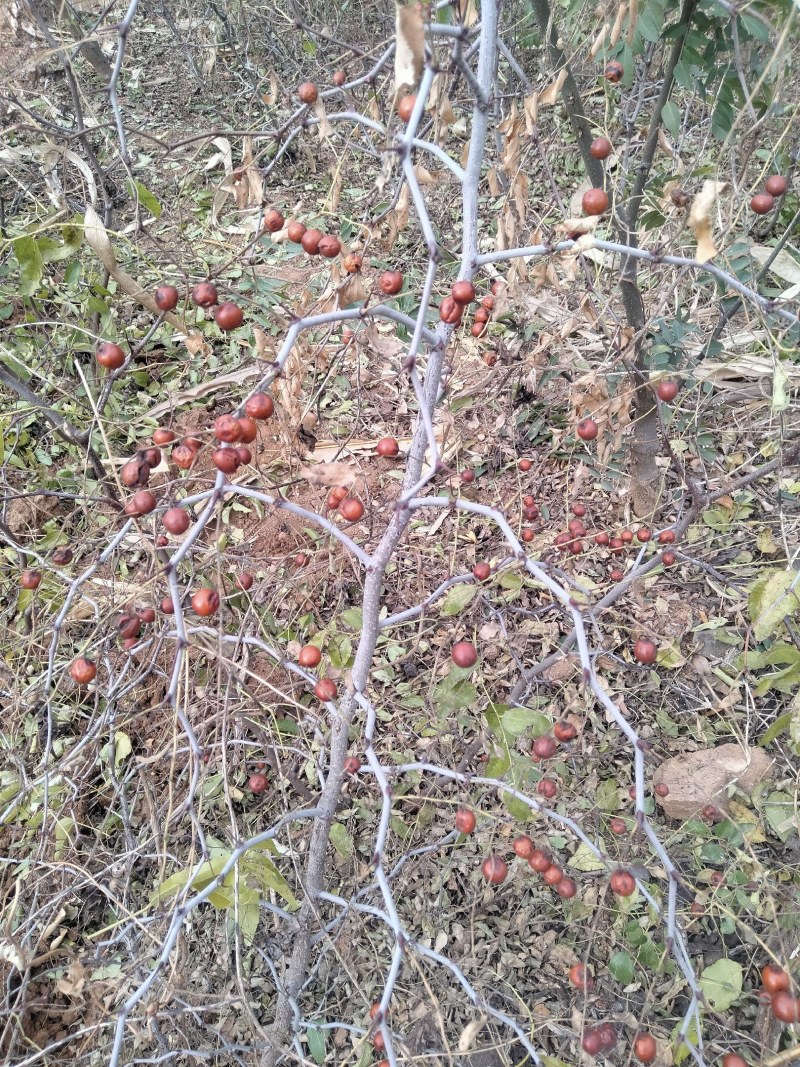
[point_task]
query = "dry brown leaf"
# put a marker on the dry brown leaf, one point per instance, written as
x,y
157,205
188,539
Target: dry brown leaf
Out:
x,y
599,41
270,98
329,474
386,345
467,12
397,219
73,981
549,96
530,107
512,126
424,176
696,779
616,29
439,104
353,291
520,192
700,219
409,53
495,188
324,128
633,18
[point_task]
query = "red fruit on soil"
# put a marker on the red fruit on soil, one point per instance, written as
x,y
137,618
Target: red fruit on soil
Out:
x,y
576,528
463,292
62,556
645,651
525,465
617,826
166,297
227,429
378,1042
274,221
309,656
387,447
643,535
390,282
547,788
594,201
564,731
352,765
463,654
590,1042
622,883
151,456
785,1007
129,625
338,493
666,537
243,581
257,783
600,148
467,477
225,460
527,536
329,247
481,315
581,977
307,92
465,821
302,559
762,203
405,106
351,509
626,537
147,615
478,329
562,541
586,429
325,690
523,846
776,185
539,861
82,670
176,521
530,513
310,241
339,79
774,978
607,1034
109,355
228,316
601,538
579,510
167,606
205,602
661,790
450,311
668,558
566,888
645,1048
731,1059
552,875
163,436
487,303
614,71
481,571
545,746
135,472
295,231
494,869
616,575
205,295
259,406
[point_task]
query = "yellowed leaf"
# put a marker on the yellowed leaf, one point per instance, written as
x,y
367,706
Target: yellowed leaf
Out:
x,y
700,219
409,54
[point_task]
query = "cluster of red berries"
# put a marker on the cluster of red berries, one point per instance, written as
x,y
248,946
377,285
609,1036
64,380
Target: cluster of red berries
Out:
x,y
775,186
349,507
313,242
777,987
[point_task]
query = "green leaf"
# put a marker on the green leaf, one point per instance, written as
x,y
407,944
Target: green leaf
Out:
x,y
315,1038
353,618
777,728
453,695
606,796
621,966
249,913
205,873
583,859
722,984
779,811
780,382
147,199
122,748
341,841
517,808
457,598
771,599
671,117
29,257
681,1050
260,867
516,721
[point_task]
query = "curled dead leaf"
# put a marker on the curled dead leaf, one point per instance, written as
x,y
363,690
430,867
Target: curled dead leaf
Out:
x,y
409,54
700,219
329,474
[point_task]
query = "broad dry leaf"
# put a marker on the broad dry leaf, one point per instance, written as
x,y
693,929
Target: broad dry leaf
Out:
x,y
696,779
700,219
495,188
549,96
409,53
616,29
424,176
520,192
385,344
324,128
331,205
783,266
352,292
598,42
531,108
329,474
512,126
